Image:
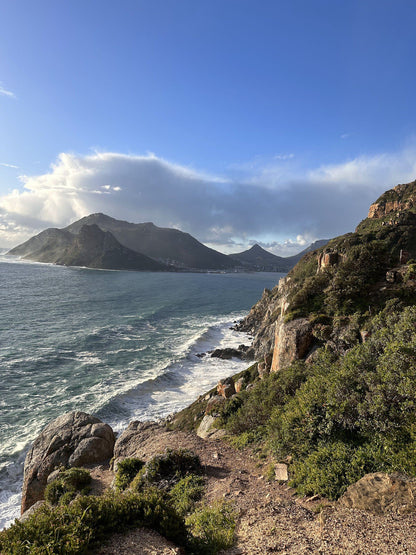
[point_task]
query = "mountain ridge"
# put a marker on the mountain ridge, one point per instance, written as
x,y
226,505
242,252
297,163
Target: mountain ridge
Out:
x,y
172,249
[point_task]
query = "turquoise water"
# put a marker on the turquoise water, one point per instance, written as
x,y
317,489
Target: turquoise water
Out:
x,y
121,345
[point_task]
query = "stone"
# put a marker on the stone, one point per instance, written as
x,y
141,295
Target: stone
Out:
x,y
206,428
226,387
227,353
239,385
27,514
381,493
364,334
133,436
214,404
280,472
293,341
331,258
73,439
262,370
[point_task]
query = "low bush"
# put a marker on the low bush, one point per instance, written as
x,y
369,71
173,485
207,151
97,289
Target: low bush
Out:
x,y
186,492
127,469
68,485
77,528
212,528
167,469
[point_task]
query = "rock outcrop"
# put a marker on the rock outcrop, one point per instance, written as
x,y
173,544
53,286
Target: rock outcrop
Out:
x,y
226,388
293,341
381,493
73,439
399,199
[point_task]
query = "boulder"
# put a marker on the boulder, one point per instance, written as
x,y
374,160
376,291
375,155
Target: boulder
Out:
x,y
262,369
129,442
227,353
239,385
73,439
226,388
214,404
293,341
206,428
381,493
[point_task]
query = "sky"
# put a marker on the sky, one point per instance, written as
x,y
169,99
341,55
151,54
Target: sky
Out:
x,y
238,121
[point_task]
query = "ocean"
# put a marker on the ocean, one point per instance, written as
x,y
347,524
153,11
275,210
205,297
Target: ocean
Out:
x,y
119,345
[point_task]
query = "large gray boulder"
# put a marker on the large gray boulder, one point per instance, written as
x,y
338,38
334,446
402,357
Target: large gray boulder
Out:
x,y
73,439
381,493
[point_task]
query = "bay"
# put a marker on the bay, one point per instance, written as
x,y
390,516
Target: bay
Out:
x,y
120,345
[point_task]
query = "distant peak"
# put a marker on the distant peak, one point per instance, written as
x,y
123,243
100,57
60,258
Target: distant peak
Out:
x,y
256,247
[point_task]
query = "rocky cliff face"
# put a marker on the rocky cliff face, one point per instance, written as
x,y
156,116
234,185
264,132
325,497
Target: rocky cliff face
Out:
x,y
328,295
399,199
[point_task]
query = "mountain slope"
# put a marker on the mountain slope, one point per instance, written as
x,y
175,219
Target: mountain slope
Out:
x,y
92,248
258,258
47,246
170,246
95,248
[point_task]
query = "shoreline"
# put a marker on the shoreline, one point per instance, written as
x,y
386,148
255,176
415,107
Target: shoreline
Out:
x,y
11,499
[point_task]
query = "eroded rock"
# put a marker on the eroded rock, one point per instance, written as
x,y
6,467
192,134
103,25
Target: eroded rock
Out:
x,y
293,341
226,388
73,439
381,493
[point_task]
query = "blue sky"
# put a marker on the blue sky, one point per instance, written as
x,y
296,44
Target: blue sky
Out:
x,y
237,121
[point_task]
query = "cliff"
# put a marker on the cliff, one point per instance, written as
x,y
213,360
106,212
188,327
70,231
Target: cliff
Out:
x,y
352,275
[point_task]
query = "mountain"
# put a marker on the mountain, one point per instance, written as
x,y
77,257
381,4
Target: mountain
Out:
x,y
169,246
91,247
158,248
258,258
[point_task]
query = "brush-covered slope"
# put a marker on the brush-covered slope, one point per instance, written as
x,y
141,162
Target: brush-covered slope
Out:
x,y
336,345
169,246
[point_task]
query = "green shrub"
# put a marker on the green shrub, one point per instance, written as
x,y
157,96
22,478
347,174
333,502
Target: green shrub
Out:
x,y
127,469
77,528
67,485
186,492
212,528
167,469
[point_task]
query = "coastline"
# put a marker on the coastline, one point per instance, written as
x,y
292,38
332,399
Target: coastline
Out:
x,y
169,407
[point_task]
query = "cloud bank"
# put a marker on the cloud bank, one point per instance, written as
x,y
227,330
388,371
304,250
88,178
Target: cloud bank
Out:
x,y
282,209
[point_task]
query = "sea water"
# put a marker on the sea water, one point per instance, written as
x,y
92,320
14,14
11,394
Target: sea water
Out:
x,y
119,345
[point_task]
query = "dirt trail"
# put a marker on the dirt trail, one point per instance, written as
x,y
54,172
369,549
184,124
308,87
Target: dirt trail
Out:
x,y
272,519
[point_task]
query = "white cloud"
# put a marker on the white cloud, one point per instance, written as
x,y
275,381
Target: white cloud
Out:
x,y
286,209
6,92
9,165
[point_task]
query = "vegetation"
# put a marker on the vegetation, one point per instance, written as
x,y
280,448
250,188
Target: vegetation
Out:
x,y
167,469
168,500
341,417
212,528
68,485
127,469
78,527
186,492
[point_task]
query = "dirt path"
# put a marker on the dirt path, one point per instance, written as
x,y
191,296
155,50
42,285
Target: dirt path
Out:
x,y
272,519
